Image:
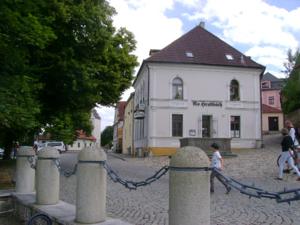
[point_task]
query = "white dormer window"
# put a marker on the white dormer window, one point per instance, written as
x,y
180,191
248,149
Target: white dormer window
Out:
x,y
229,57
189,54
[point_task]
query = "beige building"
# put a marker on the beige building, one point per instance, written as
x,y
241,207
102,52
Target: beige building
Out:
x,y
128,127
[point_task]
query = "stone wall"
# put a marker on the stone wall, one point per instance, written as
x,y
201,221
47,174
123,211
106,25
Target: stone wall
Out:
x,y
204,143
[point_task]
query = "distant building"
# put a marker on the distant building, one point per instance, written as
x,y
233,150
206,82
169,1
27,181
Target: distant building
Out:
x,y
82,141
96,122
272,115
118,126
197,86
128,127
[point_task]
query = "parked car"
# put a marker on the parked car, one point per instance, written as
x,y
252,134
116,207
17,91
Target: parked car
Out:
x,y
1,153
59,145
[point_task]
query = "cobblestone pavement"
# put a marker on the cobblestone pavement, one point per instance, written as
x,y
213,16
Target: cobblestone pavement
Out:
x,y
149,205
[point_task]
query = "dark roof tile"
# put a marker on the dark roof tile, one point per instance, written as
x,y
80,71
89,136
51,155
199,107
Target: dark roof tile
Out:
x,y
207,49
269,109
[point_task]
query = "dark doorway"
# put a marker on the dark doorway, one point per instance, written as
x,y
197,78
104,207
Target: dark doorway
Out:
x,y
273,123
206,126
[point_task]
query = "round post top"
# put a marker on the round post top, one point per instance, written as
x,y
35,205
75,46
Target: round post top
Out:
x,y
26,151
189,156
92,154
48,152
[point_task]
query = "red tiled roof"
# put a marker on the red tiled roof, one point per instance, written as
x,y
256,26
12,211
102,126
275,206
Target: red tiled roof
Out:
x,y
121,109
82,135
206,48
269,109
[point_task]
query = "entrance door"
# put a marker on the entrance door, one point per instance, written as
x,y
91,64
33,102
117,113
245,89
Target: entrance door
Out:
x,y
273,123
206,126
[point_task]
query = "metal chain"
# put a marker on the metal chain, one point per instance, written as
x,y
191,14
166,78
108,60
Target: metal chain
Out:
x,y
250,190
286,196
32,161
65,173
132,185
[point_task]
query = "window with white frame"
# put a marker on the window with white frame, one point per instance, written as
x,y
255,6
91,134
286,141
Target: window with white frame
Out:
x,y
235,126
271,100
177,125
177,88
234,90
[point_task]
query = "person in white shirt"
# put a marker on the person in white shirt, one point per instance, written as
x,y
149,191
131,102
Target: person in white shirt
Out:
x,y
292,133
217,163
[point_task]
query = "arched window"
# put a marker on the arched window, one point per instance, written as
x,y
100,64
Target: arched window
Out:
x,y
177,86
234,91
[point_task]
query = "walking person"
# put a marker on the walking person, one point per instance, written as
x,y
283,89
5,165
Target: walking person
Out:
x,y
287,154
292,132
217,164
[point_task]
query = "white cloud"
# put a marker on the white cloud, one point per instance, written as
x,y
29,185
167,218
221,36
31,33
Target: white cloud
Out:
x,y
268,28
147,20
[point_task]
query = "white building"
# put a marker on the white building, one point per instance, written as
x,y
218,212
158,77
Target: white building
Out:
x,y
96,122
198,86
83,140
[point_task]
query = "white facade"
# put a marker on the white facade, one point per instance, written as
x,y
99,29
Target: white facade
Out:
x,y
79,144
206,95
96,122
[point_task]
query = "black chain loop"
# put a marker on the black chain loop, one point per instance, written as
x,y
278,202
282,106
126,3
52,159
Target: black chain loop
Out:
x,y
286,196
32,161
65,173
132,185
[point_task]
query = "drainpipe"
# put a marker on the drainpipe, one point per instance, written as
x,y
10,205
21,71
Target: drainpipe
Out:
x,y
148,108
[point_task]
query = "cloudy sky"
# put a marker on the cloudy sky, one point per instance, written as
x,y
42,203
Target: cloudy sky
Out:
x,y
262,29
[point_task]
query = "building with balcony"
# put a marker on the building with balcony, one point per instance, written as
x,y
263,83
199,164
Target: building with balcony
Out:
x,y
197,86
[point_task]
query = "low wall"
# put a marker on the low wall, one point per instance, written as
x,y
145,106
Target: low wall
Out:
x,y
61,214
204,143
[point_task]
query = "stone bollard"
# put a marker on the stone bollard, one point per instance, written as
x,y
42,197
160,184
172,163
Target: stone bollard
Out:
x,y
189,195
25,175
47,177
91,186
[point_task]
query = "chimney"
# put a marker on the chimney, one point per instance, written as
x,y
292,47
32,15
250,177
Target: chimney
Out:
x,y
153,51
202,24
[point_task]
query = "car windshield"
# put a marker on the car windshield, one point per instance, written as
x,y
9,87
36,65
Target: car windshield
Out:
x,y
54,144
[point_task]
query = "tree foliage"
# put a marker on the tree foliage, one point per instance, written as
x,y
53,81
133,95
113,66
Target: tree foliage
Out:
x,y
57,59
107,136
291,59
291,91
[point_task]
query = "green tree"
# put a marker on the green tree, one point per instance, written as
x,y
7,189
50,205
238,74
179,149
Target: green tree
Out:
x,y
107,136
57,59
291,91
291,59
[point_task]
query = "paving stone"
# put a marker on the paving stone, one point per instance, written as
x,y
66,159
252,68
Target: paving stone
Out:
x,y
149,205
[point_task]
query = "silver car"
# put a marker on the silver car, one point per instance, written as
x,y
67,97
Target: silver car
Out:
x,y
1,153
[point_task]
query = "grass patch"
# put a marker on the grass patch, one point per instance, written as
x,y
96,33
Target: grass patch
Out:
x,y
7,170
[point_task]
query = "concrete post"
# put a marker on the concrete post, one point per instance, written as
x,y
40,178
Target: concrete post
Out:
x,y
91,186
47,182
189,196
25,175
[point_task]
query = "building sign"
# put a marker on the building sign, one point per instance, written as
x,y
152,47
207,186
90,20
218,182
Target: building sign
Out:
x,y
139,115
192,132
207,103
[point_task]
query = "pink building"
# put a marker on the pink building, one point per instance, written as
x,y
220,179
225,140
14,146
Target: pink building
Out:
x,y
272,116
